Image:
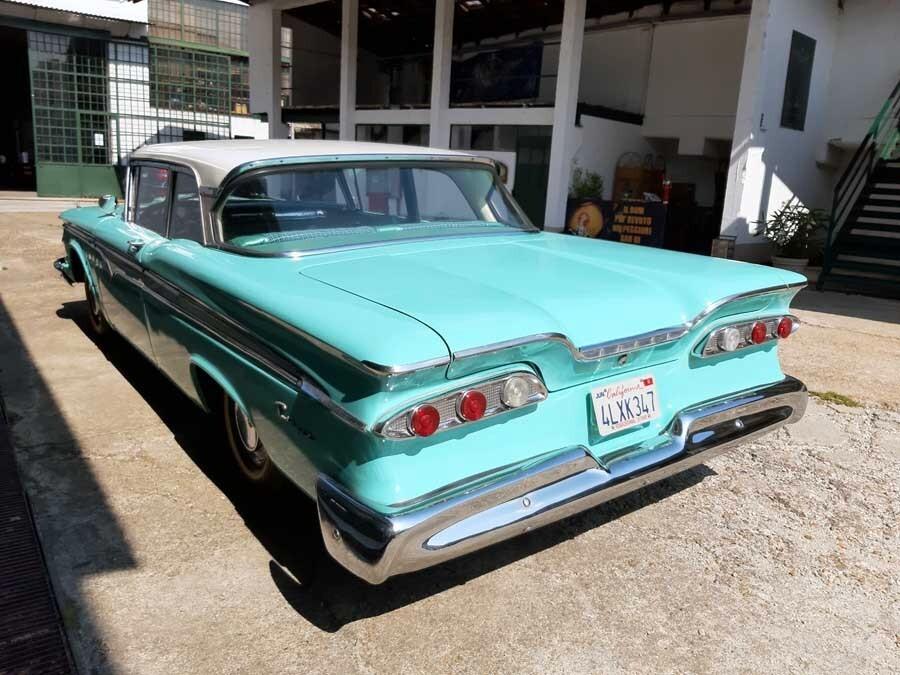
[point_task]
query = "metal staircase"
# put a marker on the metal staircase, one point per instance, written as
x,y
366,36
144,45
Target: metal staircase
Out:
x,y
862,252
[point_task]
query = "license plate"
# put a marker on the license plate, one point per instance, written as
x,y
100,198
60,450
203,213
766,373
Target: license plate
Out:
x,y
625,404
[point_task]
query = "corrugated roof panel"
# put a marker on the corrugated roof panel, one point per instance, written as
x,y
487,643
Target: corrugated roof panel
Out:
x,y
119,10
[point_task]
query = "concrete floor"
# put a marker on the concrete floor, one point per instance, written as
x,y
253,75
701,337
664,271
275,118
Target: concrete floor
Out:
x,y
783,556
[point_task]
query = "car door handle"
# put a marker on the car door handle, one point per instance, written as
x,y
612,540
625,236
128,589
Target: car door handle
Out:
x,y
135,245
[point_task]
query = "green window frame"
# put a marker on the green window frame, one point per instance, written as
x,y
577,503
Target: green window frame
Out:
x,y
202,22
70,99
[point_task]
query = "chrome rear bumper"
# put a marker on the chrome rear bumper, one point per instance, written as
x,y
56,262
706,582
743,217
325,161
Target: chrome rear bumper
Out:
x,y
374,546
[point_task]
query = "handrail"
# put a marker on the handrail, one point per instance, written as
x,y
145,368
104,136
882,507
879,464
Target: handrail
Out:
x,y
877,144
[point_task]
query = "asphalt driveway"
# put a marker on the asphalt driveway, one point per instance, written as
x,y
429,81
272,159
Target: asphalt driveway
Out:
x,y
782,556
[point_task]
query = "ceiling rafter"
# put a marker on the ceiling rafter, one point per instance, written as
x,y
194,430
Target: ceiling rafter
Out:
x,y
392,28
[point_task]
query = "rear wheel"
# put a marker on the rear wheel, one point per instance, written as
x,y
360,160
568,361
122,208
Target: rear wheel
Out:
x,y
95,314
248,450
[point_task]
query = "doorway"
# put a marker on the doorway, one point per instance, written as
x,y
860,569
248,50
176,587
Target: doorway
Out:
x,y
16,134
532,174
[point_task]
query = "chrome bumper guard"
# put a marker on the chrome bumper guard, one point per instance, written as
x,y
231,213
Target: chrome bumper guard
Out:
x,y
374,546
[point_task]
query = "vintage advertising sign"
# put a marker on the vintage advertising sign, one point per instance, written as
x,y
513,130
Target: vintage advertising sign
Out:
x,y
628,222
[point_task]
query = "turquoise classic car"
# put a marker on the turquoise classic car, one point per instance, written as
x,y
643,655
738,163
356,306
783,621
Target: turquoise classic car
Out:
x,y
384,327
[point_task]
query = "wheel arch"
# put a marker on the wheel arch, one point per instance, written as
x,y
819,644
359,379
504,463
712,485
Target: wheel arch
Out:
x,y
78,264
209,381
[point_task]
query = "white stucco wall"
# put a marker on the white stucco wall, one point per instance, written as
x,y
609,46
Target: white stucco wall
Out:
x,y
694,80
615,68
770,164
866,67
248,127
600,142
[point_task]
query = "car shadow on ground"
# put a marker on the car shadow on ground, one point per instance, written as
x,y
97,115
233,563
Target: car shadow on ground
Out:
x,y
286,523
869,308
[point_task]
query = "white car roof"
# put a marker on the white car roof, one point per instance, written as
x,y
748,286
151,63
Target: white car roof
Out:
x,y
213,160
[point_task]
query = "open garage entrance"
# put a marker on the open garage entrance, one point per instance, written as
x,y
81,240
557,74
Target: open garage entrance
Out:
x,y
16,136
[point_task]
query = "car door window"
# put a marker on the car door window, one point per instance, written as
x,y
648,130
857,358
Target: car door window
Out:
x,y
152,199
186,221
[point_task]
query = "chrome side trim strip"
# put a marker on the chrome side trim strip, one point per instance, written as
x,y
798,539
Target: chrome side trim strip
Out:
x,y
369,367
223,328
629,344
374,546
233,334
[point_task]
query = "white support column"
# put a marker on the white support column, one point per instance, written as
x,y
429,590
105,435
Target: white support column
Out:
x,y
565,108
349,38
264,37
746,182
439,136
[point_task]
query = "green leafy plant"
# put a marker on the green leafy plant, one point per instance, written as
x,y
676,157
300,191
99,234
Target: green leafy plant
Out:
x,y
791,227
585,183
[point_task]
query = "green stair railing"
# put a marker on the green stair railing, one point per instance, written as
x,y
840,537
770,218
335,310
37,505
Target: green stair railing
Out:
x,y
878,144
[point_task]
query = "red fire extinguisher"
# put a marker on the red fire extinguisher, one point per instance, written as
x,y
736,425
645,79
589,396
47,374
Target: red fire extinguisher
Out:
x,y
666,191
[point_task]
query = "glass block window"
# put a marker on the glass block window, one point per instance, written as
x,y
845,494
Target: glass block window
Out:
x,y
287,56
189,80
190,93
165,19
240,85
70,95
162,94
205,22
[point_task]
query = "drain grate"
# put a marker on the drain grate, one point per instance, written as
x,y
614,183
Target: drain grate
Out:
x,y
31,634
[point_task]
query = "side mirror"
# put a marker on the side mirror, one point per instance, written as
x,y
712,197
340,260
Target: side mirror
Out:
x,y
107,203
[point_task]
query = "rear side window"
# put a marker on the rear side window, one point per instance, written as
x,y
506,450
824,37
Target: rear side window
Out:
x,y
151,201
186,221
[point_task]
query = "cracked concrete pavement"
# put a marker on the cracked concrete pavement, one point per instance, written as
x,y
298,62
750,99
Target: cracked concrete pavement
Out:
x,y
781,556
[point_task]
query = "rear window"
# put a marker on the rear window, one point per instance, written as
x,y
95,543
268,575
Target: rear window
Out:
x,y
298,209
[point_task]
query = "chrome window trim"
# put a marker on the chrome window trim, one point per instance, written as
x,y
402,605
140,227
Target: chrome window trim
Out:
x,y
247,171
173,167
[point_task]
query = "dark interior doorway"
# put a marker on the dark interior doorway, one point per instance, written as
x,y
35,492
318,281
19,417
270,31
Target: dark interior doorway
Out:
x,y
16,135
532,174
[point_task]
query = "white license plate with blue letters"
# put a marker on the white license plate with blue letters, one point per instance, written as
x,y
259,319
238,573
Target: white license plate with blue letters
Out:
x,y
625,404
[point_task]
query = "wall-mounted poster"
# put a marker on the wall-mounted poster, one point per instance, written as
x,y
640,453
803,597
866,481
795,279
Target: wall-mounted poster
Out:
x,y
502,75
628,222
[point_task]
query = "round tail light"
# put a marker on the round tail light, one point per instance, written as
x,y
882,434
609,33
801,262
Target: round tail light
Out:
x,y
516,392
472,405
785,328
758,333
424,420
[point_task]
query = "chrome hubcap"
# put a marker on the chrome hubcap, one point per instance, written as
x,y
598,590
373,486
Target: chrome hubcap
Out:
x,y
249,439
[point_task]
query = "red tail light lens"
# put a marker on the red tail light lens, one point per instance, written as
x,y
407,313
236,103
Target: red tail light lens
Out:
x,y
785,328
758,333
472,405
424,420
474,402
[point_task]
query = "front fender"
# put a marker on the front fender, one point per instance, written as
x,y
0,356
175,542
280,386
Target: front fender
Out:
x,y
75,250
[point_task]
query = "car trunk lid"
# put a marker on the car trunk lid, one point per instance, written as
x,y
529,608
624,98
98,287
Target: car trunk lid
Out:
x,y
560,291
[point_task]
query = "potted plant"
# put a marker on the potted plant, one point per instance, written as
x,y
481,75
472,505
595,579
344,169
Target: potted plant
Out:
x,y
583,215
789,229
586,184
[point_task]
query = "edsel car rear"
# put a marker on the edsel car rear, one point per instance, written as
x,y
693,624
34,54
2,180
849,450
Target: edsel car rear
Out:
x,y
384,327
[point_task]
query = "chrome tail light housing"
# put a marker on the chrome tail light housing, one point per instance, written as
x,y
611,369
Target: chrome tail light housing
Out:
x,y
738,336
501,395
